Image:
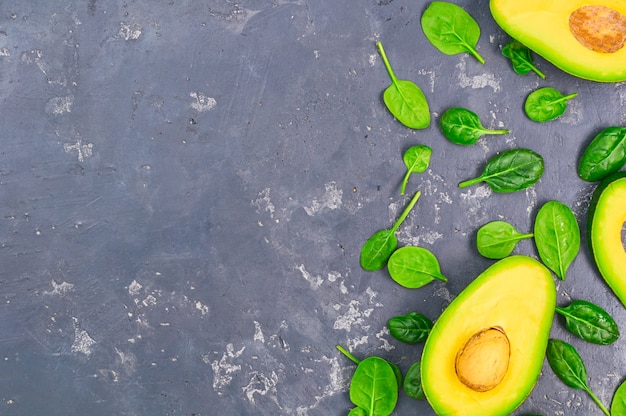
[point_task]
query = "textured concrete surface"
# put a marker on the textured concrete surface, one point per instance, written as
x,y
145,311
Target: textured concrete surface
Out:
x,y
185,187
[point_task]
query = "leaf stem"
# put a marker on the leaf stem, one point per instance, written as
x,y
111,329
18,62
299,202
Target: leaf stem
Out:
x,y
347,354
470,182
405,181
476,55
538,72
597,401
566,98
504,131
406,211
392,75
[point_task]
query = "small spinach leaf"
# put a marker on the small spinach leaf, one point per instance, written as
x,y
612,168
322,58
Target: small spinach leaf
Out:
x,y
358,411
462,126
546,104
404,99
570,368
510,171
416,159
521,57
497,239
414,267
410,328
605,154
413,382
377,249
451,29
557,236
589,322
618,405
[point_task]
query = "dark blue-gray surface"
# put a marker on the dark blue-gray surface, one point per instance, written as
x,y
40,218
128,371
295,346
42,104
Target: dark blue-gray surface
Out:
x,y
185,187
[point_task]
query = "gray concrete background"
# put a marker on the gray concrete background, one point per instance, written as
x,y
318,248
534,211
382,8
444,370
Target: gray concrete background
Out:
x,y
185,187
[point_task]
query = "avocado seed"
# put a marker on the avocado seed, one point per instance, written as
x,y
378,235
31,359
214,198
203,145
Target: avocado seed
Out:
x,y
599,28
483,361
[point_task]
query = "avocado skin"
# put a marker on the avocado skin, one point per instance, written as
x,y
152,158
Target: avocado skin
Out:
x,y
602,186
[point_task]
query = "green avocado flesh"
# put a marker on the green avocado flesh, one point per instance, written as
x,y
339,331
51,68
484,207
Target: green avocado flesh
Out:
x,y
607,214
506,313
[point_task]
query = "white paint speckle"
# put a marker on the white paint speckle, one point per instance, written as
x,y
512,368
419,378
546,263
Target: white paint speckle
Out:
x,y
204,309
129,31
354,316
263,385
59,288
134,288
332,199
483,80
263,203
224,368
258,333
372,59
83,151
82,341
314,281
60,105
202,102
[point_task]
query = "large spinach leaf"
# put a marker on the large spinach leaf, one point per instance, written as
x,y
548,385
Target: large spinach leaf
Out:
x,y
462,126
589,322
497,239
414,267
605,154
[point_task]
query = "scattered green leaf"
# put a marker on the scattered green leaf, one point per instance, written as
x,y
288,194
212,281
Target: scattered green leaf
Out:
x,y
557,236
618,405
546,104
416,160
510,171
404,99
589,322
605,154
521,58
410,328
450,29
414,267
413,382
462,126
497,239
570,368
379,247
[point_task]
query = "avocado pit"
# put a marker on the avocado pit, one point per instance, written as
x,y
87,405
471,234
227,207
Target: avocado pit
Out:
x,y
483,361
599,28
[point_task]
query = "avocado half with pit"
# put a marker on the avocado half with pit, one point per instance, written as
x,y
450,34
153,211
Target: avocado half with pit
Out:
x,y
586,38
484,354
607,214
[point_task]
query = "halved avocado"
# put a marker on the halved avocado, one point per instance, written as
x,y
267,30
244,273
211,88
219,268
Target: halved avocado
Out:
x,y
607,214
485,353
586,38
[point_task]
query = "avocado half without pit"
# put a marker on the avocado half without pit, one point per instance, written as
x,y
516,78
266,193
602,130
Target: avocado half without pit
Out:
x,y
607,214
484,354
585,38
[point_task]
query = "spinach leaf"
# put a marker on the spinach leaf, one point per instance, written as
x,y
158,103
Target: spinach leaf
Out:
x,y
570,368
379,247
618,405
521,57
589,322
546,104
413,382
497,239
414,267
410,328
374,386
416,159
510,171
451,29
604,155
404,99
557,236
462,126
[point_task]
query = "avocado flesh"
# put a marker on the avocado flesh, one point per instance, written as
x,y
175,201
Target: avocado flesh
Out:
x,y
516,295
606,217
544,27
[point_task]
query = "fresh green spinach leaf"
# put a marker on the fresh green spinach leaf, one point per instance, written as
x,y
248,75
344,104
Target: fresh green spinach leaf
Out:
x,y
497,239
605,154
374,386
521,58
618,405
570,368
557,236
413,382
414,267
546,104
410,328
416,159
378,248
405,100
450,29
510,171
462,126
589,322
